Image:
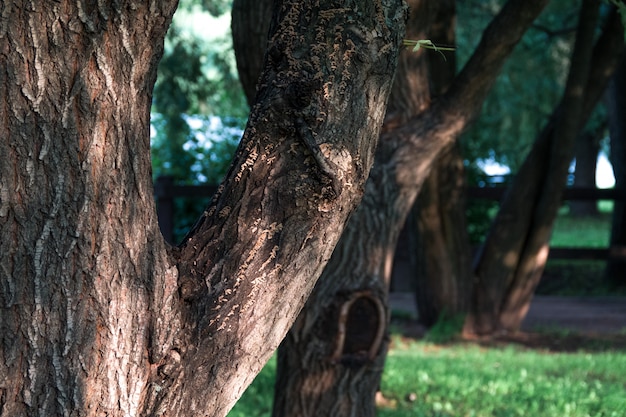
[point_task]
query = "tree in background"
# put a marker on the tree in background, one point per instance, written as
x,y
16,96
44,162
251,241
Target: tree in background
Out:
x,y
441,256
99,316
513,257
616,103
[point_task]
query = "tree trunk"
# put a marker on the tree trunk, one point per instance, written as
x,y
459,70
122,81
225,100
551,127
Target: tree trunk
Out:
x,y
587,149
250,25
616,103
331,361
98,315
514,254
444,279
442,258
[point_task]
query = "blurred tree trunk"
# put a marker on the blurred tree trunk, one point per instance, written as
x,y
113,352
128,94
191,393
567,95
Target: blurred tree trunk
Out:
x,y
98,315
442,259
444,274
587,149
250,24
331,361
513,257
616,106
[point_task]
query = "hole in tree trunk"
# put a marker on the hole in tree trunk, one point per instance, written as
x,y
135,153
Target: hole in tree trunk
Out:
x,y
361,326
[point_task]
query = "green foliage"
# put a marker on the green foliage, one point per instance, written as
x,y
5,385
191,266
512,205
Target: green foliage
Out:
x,y
426,44
529,86
197,78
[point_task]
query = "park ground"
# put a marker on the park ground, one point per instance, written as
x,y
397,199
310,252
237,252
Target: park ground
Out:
x,y
559,323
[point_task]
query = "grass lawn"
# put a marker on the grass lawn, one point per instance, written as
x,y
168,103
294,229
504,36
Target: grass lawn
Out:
x,y
469,380
570,231
465,379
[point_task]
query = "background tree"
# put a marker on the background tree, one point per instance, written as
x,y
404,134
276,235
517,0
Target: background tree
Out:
x,y
513,257
99,315
616,102
442,256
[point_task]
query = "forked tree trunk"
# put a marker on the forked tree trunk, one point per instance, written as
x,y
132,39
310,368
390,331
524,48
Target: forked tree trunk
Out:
x,y
331,361
514,254
98,316
616,106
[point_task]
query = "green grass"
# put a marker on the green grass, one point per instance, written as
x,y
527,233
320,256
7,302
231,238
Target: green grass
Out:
x,y
467,380
463,380
570,231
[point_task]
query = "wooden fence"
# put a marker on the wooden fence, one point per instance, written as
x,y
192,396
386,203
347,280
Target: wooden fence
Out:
x,y
166,192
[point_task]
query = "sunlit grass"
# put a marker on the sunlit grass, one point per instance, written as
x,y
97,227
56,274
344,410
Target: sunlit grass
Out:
x,y
425,379
467,380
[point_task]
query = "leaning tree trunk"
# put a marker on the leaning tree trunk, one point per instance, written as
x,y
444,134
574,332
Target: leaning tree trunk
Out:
x,y
616,105
98,315
331,361
441,261
514,254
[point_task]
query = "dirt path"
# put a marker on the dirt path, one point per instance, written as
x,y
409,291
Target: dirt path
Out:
x,y
601,315
588,315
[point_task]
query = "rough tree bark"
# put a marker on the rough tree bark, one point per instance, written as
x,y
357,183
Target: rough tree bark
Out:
x,y
616,103
514,254
331,361
98,316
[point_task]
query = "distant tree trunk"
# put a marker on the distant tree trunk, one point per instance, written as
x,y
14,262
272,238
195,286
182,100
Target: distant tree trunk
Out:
x,y
616,106
587,149
513,257
98,315
444,280
331,361
442,259
250,25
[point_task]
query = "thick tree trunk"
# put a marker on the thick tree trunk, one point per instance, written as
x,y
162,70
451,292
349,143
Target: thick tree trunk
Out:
x,y
616,104
331,361
587,149
514,254
98,315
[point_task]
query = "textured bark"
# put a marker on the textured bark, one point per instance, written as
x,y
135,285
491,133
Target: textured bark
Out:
x,y
442,259
616,103
313,378
512,259
98,315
